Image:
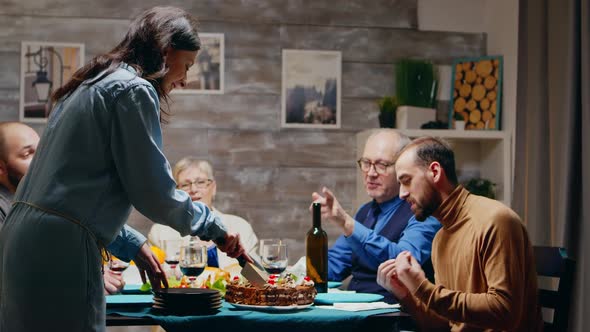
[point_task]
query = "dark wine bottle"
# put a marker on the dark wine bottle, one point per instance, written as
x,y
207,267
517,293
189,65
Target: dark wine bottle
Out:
x,y
316,246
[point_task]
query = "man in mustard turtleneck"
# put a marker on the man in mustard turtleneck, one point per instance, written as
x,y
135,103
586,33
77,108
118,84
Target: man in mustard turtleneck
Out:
x,y
483,259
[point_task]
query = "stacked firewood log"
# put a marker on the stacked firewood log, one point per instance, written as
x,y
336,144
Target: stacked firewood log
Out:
x,y
475,93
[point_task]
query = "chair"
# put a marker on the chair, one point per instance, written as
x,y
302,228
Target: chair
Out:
x,y
554,262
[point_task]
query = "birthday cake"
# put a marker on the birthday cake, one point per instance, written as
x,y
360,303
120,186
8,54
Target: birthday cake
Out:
x,y
285,291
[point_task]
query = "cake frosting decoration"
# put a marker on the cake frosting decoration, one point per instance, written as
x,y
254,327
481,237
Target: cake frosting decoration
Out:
x,y
286,291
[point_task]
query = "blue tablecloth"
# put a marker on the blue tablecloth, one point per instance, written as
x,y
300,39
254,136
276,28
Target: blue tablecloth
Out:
x,y
124,300
334,284
232,319
134,289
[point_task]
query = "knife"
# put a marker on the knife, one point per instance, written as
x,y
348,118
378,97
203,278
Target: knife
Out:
x,y
255,261
254,272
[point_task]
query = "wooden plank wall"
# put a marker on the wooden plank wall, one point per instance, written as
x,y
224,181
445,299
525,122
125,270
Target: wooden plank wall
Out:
x,y
265,174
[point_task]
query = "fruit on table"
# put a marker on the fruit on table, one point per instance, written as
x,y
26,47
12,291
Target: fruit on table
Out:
x,y
159,253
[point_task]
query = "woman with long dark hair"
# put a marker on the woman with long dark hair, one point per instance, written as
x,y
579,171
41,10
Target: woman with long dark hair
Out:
x,y
100,154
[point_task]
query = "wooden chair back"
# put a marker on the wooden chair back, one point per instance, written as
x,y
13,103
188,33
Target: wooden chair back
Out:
x,y
554,262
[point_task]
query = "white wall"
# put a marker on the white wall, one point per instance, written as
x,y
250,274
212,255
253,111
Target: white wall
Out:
x,y
499,20
451,15
501,24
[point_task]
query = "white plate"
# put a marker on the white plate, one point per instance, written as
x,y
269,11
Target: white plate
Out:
x,y
270,307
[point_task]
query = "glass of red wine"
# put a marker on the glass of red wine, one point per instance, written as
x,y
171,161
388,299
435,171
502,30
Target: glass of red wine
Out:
x,y
193,259
117,265
273,254
172,250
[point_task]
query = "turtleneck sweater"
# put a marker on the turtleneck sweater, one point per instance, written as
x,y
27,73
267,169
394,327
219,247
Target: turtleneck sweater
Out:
x,y
484,270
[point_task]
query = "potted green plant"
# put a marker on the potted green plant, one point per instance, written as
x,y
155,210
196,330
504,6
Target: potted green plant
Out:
x,y
416,86
387,110
415,82
459,121
481,187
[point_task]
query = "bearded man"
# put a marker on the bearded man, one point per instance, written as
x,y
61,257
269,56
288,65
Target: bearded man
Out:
x,y
482,256
18,143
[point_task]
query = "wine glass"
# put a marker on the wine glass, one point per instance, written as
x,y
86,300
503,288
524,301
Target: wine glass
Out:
x,y
117,265
192,259
172,250
268,241
274,256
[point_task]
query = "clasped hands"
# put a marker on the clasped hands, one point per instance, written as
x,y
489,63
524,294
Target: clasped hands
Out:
x,y
113,281
401,276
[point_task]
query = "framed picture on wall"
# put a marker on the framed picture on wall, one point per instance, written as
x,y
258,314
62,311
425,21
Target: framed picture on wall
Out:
x,y
45,67
476,92
206,76
311,90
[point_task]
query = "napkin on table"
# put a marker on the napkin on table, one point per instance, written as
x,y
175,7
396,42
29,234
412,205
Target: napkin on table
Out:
x,y
360,306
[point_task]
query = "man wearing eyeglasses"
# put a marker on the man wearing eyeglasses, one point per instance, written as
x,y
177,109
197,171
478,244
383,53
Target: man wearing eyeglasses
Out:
x,y
381,228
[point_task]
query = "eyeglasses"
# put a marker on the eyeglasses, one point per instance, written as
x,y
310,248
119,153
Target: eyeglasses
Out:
x,y
198,183
380,166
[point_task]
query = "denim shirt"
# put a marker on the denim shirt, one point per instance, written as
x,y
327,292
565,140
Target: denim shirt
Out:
x,y
100,154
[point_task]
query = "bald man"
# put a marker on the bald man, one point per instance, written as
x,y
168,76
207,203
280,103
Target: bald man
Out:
x,y
381,228
18,143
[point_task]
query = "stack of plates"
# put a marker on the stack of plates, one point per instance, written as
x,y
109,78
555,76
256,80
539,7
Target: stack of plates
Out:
x,y
187,301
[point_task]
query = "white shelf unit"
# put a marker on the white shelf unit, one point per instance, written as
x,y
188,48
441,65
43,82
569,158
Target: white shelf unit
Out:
x,y
484,154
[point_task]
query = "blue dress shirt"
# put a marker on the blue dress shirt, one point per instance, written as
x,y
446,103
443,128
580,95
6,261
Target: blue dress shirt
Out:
x,y
373,249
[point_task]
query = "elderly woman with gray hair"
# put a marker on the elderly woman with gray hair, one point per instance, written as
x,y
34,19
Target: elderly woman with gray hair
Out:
x,y
196,178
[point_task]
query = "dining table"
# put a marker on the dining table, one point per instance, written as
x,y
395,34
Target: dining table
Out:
x,y
134,310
